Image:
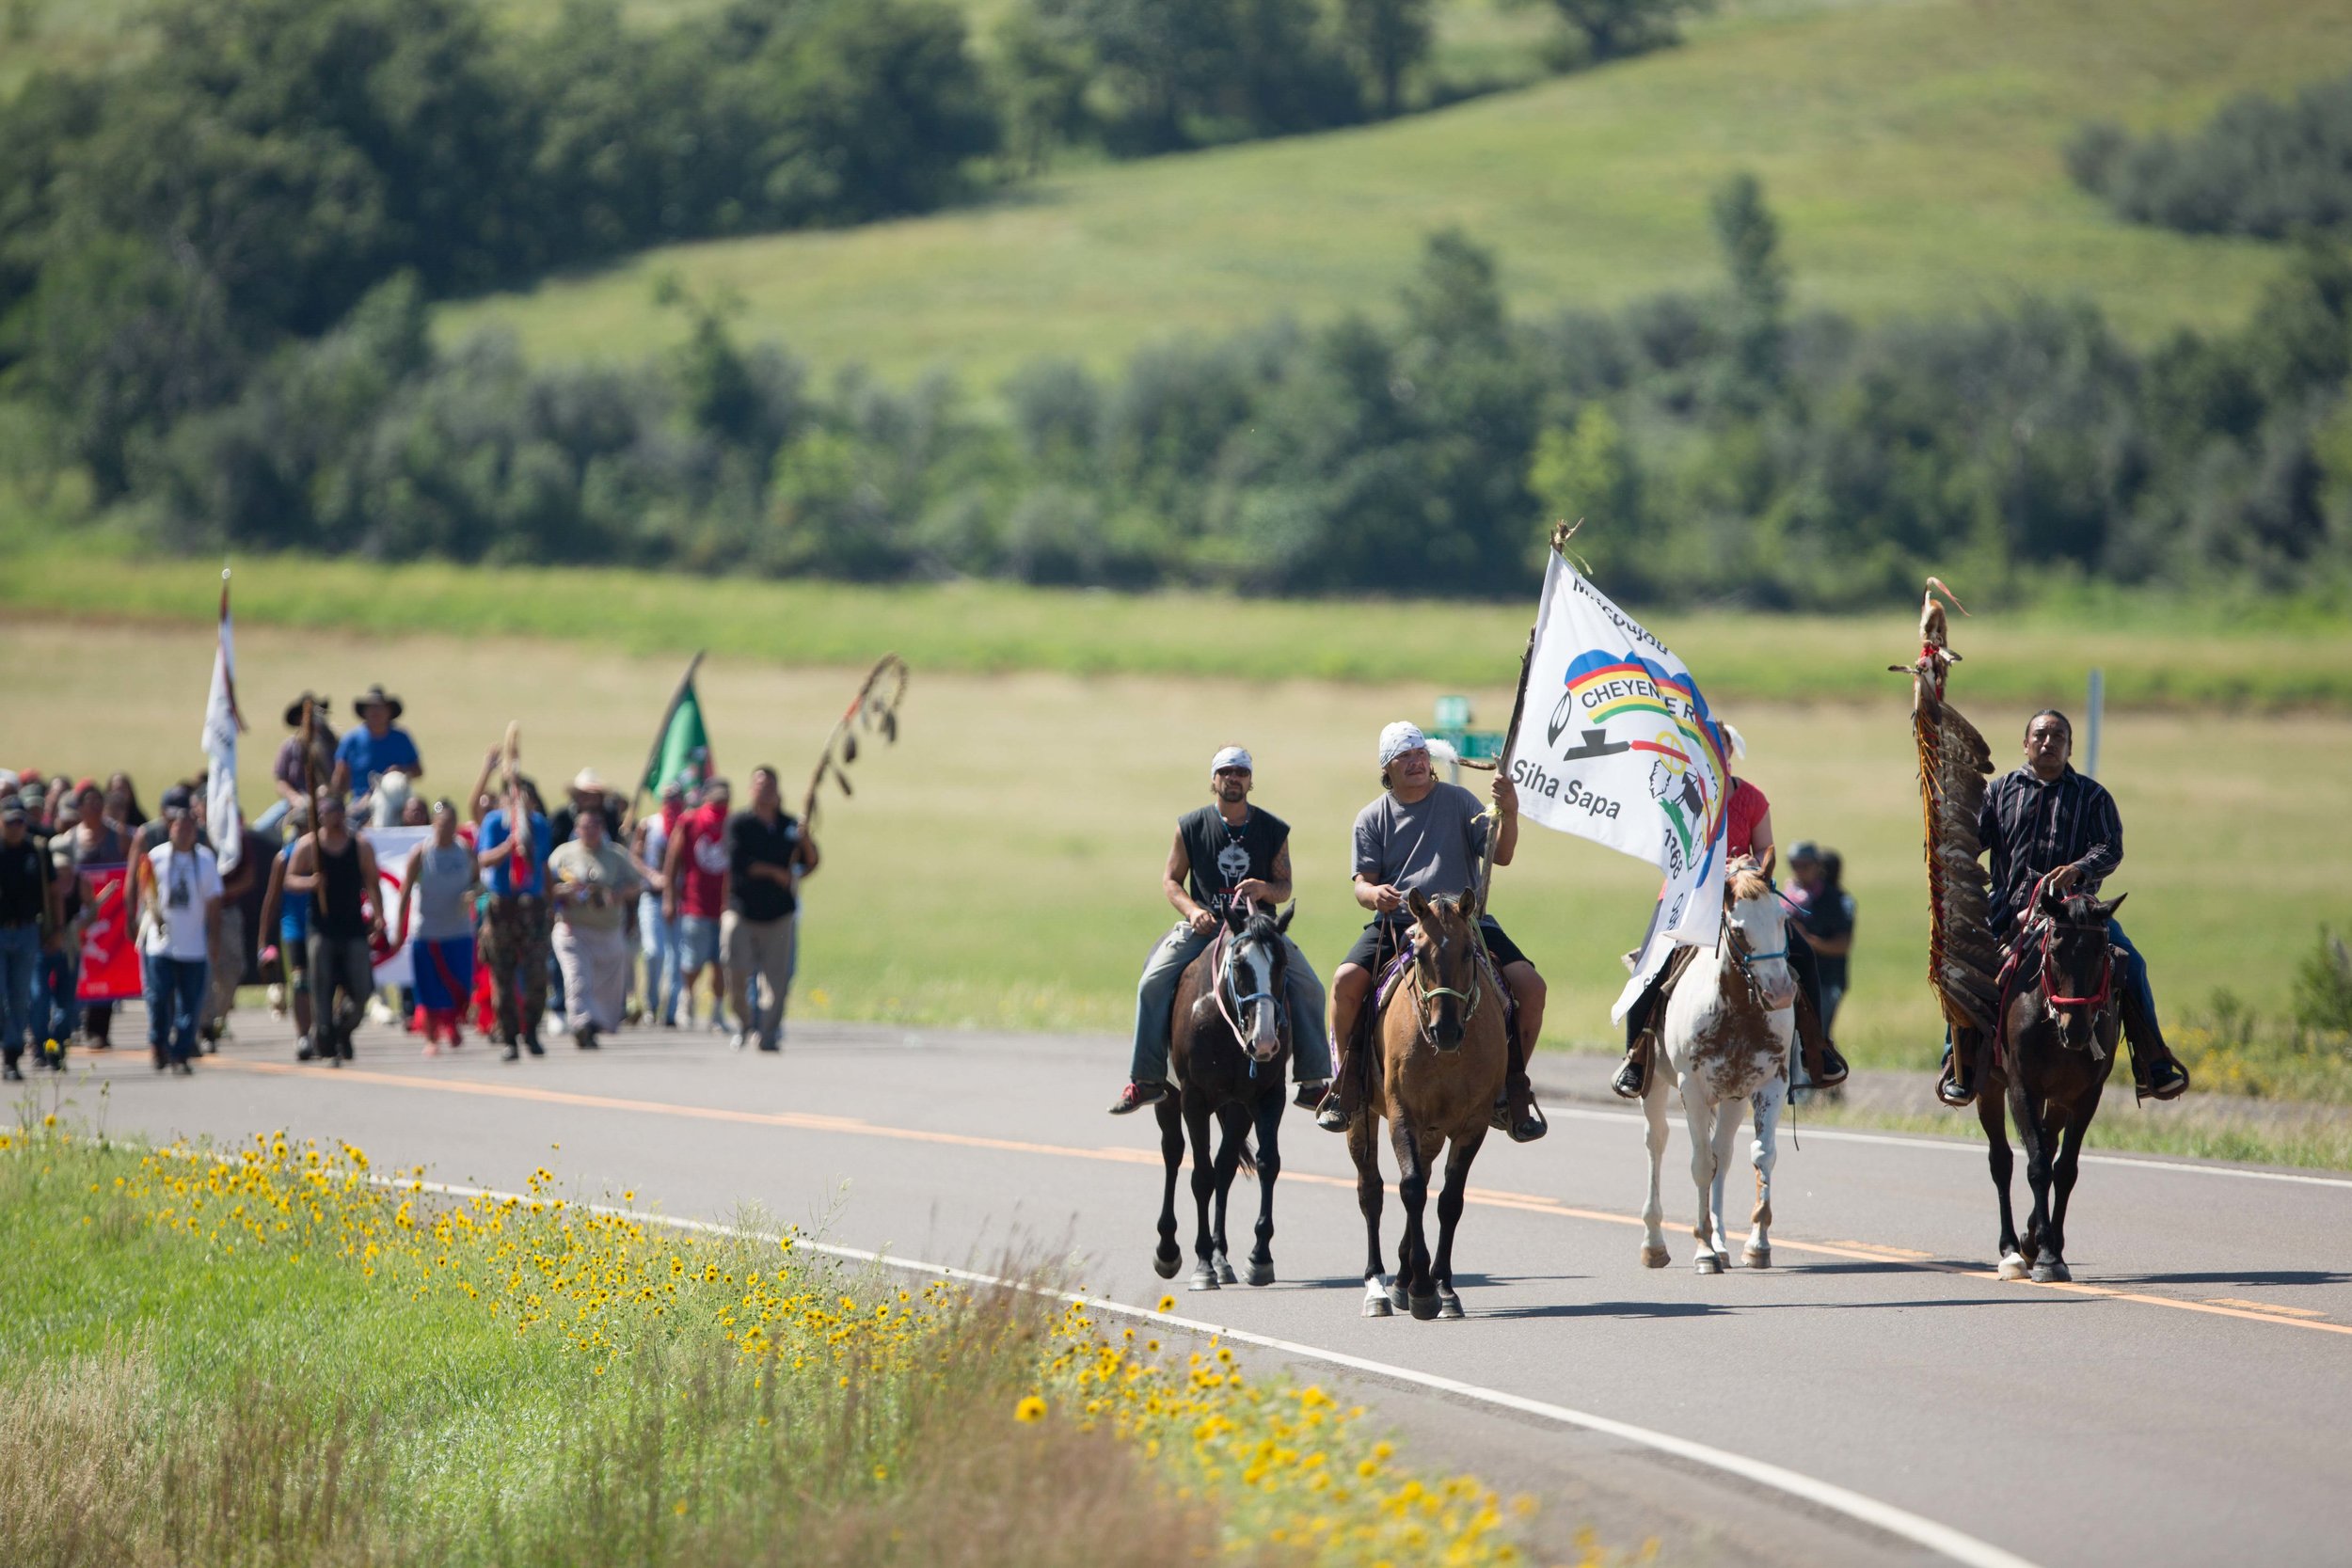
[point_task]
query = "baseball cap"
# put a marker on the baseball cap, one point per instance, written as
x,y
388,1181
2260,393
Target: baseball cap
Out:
x,y
12,810
1803,850
1231,756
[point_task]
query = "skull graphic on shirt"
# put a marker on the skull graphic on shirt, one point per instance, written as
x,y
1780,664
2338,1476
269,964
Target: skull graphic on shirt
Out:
x,y
1232,864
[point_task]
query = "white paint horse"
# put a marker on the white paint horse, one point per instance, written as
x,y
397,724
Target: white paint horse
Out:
x,y
1726,1036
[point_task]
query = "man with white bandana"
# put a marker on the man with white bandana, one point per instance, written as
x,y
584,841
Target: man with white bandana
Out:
x,y
1225,851
1427,837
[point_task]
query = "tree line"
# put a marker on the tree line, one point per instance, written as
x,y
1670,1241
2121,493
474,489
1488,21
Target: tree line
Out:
x,y
2262,167
1721,447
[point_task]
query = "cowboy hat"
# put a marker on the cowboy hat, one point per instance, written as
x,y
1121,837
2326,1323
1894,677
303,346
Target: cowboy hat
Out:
x,y
375,694
588,782
293,710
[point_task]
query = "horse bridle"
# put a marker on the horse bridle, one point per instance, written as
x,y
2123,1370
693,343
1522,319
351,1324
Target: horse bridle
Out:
x,y
1424,1016
1231,1001
2043,928
1746,961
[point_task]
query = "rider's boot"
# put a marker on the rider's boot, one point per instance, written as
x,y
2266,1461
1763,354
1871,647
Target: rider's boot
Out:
x,y
1135,1097
1632,1079
1309,1093
1338,1106
1823,1064
1516,1112
2156,1073
1957,1084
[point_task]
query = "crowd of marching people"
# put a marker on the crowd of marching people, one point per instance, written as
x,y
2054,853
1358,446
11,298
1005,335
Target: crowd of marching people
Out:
x,y
517,920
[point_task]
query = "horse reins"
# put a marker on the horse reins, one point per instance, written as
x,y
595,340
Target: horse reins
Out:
x,y
1220,963
1424,1016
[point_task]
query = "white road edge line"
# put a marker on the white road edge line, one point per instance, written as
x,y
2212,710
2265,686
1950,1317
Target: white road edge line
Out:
x,y
1900,1523
1959,1146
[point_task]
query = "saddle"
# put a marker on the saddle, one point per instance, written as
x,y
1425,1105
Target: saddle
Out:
x,y
1362,1059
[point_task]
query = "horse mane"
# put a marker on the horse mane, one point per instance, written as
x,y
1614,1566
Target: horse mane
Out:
x,y
1261,927
1744,879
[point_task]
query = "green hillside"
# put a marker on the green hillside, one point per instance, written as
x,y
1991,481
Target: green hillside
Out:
x,y
1911,151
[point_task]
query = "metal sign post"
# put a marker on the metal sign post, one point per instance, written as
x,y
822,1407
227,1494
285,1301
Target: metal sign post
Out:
x,y
2090,725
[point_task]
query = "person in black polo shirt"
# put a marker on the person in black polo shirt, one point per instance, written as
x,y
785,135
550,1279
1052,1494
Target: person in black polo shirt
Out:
x,y
2046,819
29,914
1224,852
766,856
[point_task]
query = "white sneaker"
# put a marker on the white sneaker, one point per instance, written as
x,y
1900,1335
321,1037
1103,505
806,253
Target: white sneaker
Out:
x,y
737,1040
276,1001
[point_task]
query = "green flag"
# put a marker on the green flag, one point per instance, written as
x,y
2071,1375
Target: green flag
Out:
x,y
683,751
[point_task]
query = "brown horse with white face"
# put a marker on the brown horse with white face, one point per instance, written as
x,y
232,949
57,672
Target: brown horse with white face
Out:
x,y
1442,1051
2059,1019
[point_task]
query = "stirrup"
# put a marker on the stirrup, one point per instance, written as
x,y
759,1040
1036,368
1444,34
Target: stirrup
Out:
x,y
1632,1079
1331,1116
2173,1085
1950,1089
1834,1068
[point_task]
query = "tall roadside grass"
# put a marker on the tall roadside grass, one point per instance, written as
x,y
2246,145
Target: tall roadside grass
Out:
x,y
269,1354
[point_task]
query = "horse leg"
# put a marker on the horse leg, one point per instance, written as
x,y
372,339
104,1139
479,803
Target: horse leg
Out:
x,y
1991,1115
1269,1166
1204,1161
2065,1135
1235,1122
1412,1190
1764,1155
2030,1133
1653,1254
1365,1151
1699,1118
1165,1259
1458,1156
1726,1136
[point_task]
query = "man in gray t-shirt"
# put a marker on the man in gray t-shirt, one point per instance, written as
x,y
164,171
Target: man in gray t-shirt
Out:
x,y
1427,837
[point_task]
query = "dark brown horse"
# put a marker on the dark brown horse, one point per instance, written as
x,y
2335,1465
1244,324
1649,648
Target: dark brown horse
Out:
x,y
2060,1017
1443,1046
1227,1052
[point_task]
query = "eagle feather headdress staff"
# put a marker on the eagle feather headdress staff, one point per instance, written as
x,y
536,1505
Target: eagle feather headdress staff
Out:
x,y
1964,957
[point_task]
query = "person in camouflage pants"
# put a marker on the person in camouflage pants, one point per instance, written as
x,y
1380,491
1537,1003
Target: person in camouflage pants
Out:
x,y
515,947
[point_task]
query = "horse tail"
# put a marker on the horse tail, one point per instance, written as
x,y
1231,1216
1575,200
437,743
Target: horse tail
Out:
x,y
1249,1166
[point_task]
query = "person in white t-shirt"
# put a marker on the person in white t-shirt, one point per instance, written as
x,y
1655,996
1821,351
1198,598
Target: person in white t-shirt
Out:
x,y
180,901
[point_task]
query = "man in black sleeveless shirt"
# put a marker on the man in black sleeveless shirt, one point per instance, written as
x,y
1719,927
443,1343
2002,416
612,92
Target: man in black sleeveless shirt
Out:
x,y
337,868
1223,852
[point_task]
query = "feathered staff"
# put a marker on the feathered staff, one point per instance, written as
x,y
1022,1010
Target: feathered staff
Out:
x,y
1964,957
874,707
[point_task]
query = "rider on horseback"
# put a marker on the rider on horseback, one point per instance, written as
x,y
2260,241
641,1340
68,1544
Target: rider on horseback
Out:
x,y
1748,830
1424,836
2046,819
1224,852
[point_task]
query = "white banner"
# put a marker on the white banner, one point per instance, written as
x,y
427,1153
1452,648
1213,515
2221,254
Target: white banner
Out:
x,y
1618,746
393,846
222,817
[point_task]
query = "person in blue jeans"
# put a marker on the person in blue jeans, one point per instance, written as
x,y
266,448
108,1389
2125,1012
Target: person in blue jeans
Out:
x,y
28,915
177,901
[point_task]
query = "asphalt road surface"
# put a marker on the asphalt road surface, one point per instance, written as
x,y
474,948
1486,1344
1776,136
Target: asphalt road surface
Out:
x,y
2187,1400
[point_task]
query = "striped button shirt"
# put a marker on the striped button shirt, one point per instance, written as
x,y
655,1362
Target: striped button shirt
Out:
x,y
2030,828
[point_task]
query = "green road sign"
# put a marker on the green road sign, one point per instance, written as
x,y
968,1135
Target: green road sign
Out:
x,y
1475,744
1454,713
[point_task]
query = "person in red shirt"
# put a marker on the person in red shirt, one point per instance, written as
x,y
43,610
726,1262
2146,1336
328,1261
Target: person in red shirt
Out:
x,y
694,894
1747,830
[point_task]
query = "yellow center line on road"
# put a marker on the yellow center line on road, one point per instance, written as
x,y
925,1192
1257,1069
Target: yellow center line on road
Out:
x,y
1901,1258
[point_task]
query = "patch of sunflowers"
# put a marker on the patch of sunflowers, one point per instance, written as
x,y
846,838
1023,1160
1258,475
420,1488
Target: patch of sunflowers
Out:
x,y
1282,1466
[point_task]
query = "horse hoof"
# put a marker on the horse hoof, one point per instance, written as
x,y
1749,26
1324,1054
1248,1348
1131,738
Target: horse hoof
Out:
x,y
1397,1298
1224,1274
1707,1263
2012,1266
1426,1307
2052,1271
1376,1305
1722,1260
1203,1278
1449,1304
1656,1258
1164,1265
1756,1258
1262,1274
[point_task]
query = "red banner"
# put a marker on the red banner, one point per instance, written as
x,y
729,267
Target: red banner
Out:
x,y
110,960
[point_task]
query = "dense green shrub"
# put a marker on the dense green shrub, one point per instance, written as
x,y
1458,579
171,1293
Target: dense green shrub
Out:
x,y
2260,167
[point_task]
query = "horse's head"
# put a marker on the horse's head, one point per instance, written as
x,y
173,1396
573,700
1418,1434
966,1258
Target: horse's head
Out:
x,y
1449,979
1256,963
2076,972
1757,929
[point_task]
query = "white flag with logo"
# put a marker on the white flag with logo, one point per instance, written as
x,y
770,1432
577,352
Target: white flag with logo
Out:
x,y
392,847
1617,745
222,816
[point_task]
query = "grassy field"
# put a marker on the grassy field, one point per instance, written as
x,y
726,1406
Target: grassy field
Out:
x,y
1000,865
2155,652
258,1356
1911,151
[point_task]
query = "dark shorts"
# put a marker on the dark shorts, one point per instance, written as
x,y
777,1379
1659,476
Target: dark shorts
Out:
x,y
1378,944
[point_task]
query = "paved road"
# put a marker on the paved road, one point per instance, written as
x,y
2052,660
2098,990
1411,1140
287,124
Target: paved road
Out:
x,y
2188,1401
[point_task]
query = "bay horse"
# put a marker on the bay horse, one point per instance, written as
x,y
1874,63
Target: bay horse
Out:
x,y
2059,1019
1226,1051
1725,1040
1443,1048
